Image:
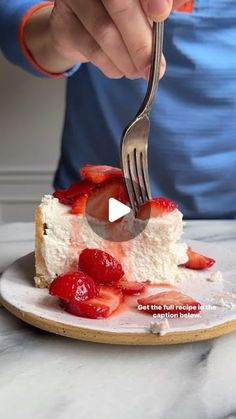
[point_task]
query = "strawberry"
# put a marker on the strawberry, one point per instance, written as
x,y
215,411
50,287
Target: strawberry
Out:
x,y
79,206
107,301
68,196
174,302
97,205
197,261
98,174
156,207
74,286
60,194
81,187
100,265
131,287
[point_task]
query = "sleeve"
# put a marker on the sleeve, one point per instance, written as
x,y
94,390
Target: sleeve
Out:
x,y
13,17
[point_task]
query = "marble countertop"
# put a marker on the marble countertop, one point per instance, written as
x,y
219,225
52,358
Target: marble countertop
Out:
x,y
44,376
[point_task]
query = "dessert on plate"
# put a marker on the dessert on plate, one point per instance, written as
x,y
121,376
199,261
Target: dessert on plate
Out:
x,y
91,273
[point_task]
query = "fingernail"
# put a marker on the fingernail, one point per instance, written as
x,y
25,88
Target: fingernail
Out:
x,y
158,8
134,76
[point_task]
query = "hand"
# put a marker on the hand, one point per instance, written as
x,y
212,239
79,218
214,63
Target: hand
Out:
x,y
115,35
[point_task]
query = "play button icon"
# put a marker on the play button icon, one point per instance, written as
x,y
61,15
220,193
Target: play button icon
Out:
x,y
109,215
116,210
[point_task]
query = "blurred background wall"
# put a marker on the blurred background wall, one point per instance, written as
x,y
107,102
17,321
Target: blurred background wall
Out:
x,y
31,117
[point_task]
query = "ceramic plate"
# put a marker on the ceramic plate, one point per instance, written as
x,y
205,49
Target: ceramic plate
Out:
x,y
128,326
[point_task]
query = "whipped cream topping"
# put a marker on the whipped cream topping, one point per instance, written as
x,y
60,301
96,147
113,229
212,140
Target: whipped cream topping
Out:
x,y
153,255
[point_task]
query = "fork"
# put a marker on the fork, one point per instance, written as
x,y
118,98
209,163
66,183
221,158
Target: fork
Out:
x,y
134,141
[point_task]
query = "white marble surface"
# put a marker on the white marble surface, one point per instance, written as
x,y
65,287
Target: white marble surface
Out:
x,y
43,376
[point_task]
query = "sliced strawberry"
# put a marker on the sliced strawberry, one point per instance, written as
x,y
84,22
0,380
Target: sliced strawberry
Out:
x,y
174,302
156,207
81,187
98,174
100,265
197,261
60,194
107,301
97,205
74,286
131,287
79,206
69,196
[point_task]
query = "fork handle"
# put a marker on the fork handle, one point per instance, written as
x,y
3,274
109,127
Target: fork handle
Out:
x,y
157,45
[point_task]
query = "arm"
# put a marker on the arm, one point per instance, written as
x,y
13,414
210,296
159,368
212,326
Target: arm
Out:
x,y
37,39
14,17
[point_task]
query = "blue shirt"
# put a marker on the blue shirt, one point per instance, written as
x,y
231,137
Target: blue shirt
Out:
x,y
192,147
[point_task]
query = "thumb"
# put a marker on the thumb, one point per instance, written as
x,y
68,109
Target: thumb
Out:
x,y
157,10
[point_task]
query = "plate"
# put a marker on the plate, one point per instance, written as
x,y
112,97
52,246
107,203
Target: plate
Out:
x,y
38,308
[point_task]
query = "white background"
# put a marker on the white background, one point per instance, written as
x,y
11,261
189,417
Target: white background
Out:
x,y
31,117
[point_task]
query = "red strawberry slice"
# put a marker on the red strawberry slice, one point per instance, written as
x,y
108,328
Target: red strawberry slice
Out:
x,y
174,302
131,287
98,174
74,286
81,187
60,194
107,301
79,206
97,205
68,196
100,265
197,261
156,207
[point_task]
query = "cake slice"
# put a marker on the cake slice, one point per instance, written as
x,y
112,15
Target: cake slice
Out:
x,y
63,231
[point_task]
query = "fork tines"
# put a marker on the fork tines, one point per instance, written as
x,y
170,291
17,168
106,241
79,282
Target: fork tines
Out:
x,y
135,162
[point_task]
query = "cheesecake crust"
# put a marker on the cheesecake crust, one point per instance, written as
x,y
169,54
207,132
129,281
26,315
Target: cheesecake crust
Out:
x,y
40,266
